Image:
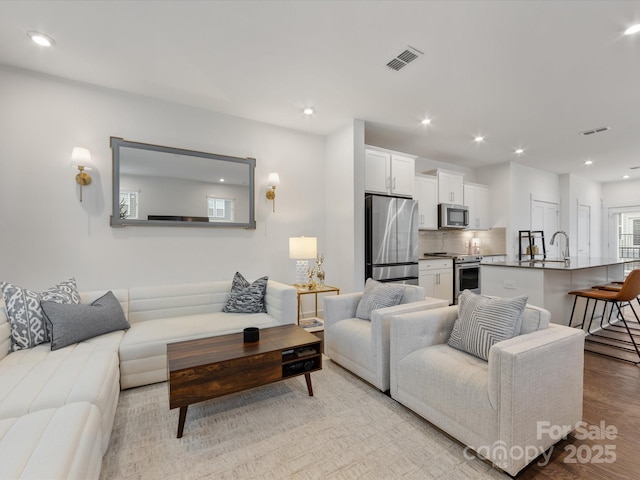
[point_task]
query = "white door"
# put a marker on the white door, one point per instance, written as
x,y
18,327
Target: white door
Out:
x,y
544,216
584,230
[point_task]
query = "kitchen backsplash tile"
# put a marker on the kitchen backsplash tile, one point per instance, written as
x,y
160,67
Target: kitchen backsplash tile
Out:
x,y
492,242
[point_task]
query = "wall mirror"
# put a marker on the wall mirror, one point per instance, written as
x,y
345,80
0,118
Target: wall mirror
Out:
x,y
165,186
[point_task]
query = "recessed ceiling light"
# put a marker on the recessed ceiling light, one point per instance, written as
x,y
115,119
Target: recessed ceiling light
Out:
x,y
632,29
479,139
588,162
625,176
222,179
308,111
41,39
426,121
519,151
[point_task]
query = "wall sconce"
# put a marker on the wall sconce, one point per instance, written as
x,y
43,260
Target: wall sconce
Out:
x,y
273,182
81,158
303,248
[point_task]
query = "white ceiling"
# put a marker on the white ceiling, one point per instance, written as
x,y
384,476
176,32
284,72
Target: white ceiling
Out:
x,y
523,73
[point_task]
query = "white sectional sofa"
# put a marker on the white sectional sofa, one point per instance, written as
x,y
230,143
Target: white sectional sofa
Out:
x,y
57,407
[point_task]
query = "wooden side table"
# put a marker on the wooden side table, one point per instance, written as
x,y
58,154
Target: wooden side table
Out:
x,y
315,290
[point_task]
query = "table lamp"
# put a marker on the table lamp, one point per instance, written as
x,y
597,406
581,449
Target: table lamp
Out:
x,y
302,249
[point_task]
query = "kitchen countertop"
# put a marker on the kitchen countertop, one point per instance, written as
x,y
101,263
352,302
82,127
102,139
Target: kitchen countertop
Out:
x,y
576,263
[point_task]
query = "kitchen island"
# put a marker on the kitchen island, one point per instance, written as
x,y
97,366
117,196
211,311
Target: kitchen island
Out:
x,y
547,283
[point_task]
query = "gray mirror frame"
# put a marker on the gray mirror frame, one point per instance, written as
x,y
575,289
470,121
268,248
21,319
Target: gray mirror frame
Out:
x,y
116,221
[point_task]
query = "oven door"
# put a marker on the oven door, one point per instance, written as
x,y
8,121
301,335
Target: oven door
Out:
x,y
467,277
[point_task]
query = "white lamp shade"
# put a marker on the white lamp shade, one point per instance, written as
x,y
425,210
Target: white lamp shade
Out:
x,y
303,247
81,157
274,180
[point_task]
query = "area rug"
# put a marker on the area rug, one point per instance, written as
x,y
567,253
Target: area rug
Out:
x,y
347,430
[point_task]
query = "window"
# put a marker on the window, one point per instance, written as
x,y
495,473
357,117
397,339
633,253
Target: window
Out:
x,y
220,209
128,204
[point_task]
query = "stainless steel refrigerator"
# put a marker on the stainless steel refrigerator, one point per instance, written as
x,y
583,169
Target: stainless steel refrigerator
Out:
x,y
391,239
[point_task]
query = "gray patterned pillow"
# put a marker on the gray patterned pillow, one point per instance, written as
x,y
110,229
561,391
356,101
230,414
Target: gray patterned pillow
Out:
x,y
246,297
484,321
378,295
28,327
70,324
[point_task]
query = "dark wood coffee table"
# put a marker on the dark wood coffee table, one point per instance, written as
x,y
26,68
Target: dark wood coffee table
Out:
x,y
212,367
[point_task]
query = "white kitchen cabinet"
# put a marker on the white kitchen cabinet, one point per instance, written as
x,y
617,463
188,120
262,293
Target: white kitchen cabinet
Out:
x,y
436,277
388,174
476,197
426,193
450,187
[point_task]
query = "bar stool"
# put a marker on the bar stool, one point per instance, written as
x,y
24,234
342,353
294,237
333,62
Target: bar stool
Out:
x,y
609,333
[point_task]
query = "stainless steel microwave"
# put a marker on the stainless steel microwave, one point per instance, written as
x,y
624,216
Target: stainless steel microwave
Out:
x,y
453,216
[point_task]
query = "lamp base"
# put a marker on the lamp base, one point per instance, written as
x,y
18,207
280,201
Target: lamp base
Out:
x,y
302,272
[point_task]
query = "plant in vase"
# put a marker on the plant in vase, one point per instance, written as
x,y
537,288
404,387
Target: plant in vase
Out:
x,y
310,273
319,270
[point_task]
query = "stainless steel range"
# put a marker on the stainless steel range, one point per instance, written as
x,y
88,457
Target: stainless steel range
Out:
x,y
466,272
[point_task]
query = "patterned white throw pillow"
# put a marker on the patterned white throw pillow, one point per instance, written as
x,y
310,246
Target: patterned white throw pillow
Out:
x,y
378,295
246,297
28,327
484,321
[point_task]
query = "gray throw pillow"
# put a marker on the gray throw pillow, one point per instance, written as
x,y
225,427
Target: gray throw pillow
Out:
x,y
484,321
28,327
246,297
378,295
74,323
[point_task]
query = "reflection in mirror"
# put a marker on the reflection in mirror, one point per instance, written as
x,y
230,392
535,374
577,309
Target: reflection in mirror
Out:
x,y
156,185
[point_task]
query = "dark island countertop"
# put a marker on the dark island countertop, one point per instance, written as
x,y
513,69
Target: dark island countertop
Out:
x,y
575,263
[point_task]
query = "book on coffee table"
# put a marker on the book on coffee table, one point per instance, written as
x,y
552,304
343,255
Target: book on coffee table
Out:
x,y
313,323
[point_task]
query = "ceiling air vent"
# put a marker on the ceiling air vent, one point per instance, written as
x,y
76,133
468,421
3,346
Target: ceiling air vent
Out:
x,y
404,58
597,130
634,168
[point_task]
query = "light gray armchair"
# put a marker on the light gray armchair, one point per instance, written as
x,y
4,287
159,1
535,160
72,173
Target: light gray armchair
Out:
x,y
362,346
504,409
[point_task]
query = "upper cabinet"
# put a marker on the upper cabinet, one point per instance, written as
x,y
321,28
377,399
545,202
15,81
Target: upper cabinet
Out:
x,y
450,187
388,174
426,193
477,199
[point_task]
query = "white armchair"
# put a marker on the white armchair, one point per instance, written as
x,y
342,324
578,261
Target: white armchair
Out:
x,y
362,346
504,409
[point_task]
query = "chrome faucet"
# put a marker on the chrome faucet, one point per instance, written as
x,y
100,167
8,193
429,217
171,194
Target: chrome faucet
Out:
x,y
565,254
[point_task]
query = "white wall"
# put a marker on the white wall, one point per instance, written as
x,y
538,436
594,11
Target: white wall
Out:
x,y
621,194
48,235
498,178
528,184
344,204
584,192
